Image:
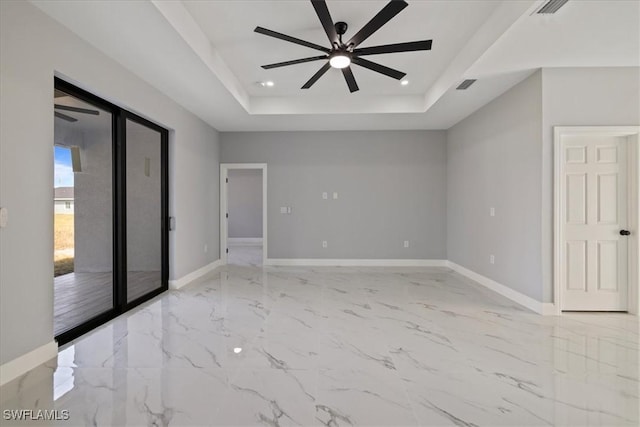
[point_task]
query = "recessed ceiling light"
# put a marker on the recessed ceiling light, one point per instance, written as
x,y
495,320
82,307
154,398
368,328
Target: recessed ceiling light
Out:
x,y
404,82
237,350
268,83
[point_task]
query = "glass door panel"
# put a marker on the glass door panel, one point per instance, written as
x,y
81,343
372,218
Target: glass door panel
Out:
x,y
144,208
83,212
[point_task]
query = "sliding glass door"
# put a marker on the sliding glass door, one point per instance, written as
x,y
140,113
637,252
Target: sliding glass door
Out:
x,y
144,202
110,211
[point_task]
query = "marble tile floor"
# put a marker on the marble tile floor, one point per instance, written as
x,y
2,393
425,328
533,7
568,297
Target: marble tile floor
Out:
x,y
78,297
247,255
282,346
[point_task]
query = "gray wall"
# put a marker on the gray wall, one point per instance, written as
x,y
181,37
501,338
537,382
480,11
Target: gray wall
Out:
x,y
580,97
32,48
244,203
502,156
391,187
494,161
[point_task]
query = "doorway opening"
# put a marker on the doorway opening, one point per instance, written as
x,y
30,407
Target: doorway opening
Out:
x,y
596,226
243,214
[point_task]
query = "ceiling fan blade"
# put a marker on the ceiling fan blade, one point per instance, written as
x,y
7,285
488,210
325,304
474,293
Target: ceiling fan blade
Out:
x,y
385,15
316,76
325,19
77,109
393,48
290,39
351,81
294,62
398,75
58,93
64,117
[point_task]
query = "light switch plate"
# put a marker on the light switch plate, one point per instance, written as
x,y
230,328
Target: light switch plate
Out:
x,y
4,217
406,243
492,211
324,243
325,195
335,195
283,209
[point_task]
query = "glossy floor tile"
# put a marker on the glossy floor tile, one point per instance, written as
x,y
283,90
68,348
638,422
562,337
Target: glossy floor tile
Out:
x,y
340,347
247,255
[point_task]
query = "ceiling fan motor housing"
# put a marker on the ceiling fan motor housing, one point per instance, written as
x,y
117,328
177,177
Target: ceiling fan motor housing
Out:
x,y
341,27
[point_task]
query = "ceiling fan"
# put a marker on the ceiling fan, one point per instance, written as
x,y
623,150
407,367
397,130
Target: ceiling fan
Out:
x,y
341,55
58,94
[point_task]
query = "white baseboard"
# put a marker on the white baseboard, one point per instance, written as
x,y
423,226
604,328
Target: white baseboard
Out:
x,y
244,241
23,364
324,262
546,309
185,280
549,309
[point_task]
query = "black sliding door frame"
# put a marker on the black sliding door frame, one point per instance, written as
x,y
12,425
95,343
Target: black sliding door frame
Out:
x,y
119,116
164,202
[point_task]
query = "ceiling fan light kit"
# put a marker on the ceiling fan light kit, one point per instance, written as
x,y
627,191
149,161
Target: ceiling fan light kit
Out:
x,y
340,59
341,55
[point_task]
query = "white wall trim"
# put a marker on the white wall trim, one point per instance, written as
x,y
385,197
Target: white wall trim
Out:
x,y
545,309
185,280
325,262
633,169
224,226
23,364
245,241
549,309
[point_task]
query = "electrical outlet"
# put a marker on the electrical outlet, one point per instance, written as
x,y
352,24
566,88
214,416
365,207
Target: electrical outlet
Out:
x,y
406,243
324,243
492,211
492,259
289,210
283,209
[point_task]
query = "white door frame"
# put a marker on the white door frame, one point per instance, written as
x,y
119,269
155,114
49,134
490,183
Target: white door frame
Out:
x,y
633,188
224,231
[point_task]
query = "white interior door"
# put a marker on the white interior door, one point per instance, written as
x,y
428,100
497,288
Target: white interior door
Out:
x,y
594,215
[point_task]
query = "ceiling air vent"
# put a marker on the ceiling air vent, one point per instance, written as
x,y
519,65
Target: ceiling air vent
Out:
x,y
552,6
465,84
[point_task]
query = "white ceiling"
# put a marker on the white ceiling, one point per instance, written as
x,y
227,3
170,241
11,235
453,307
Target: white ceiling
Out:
x,y
217,56
229,26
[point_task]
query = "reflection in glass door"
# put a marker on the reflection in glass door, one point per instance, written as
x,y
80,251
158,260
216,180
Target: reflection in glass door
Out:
x,y
144,207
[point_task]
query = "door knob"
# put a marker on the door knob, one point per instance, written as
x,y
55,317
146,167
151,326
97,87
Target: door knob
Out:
x,y
624,232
